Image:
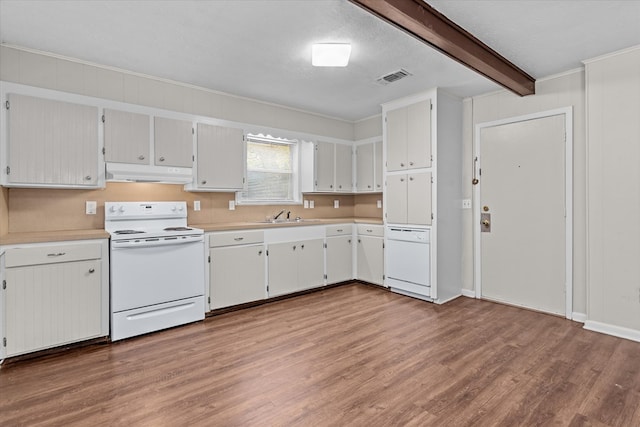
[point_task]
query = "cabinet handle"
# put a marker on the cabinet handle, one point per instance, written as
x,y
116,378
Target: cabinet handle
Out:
x,y
410,178
294,247
369,230
58,254
339,230
331,186
140,157
161,159
349,241
401,164
359,241
378,185
301,246
368,186
204,182
410,163
340,186
401,179
92,270
238,239
259,253
87,178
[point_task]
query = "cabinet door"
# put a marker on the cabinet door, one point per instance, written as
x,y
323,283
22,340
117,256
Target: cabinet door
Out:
x,y
325,166
283,268
344,168
377,170
396,199
127,137
220,157
237,275
173,142
339,259
53,304
419,135
371,259
52,142
364,167
310,263
419,198
397,139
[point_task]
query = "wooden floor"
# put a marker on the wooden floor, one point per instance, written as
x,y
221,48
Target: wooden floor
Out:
x,y
354,355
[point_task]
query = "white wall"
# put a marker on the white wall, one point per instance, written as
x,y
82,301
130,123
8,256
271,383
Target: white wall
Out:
x,y
64,74
613,104
368,128
561,91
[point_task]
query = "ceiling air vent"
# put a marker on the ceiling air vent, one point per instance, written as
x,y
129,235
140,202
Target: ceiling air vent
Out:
x,y
393,77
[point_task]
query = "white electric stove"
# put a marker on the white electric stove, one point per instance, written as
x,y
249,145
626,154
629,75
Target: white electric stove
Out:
x,y
157,267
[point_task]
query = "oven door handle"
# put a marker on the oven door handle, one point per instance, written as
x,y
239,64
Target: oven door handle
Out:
x,y
148,243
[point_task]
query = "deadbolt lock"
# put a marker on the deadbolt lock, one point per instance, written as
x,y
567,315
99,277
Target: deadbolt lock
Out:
x,y
485,208
485,222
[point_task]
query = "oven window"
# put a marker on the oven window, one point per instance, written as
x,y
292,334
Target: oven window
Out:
x,y
272,171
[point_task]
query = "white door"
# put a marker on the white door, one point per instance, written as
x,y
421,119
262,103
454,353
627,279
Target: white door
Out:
x,y
344,168
339,259
522,214
325,166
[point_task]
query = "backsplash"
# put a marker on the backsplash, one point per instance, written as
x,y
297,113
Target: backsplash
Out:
x,y
32,209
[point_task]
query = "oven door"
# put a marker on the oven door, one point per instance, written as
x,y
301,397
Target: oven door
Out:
x,y
145,273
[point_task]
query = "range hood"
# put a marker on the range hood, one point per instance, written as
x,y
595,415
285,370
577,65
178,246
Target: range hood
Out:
x,y
147,173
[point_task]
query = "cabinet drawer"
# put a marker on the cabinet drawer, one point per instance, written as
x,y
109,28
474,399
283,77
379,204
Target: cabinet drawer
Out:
x,y
231,238
370,230
51,254
339,230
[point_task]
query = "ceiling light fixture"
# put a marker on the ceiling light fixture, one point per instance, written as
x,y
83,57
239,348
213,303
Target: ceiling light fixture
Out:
x,y
330,54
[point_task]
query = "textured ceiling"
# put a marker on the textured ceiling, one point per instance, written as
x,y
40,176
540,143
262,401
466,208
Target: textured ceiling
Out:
x,y
261,48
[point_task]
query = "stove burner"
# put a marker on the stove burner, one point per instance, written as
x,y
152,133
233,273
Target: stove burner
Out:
x,y
128,232
178,229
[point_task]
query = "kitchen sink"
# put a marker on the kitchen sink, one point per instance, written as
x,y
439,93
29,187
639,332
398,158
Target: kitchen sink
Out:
x,y
285,221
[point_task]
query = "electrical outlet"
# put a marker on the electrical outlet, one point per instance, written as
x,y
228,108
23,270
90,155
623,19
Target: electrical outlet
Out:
x,y
306,204
196,205
466,203
91,207
379,204
312,204
336,204
232,205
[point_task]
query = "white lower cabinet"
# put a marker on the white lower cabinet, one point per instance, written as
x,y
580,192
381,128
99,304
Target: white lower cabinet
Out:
x,y
295,266
236,268
54,295
370,263
339,253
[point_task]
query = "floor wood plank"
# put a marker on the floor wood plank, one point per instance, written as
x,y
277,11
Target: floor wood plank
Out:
x,y
350,355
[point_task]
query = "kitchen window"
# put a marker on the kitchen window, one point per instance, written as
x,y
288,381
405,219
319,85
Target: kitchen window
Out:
x,y
272,171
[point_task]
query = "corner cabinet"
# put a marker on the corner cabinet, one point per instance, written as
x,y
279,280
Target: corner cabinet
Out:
x,y
54,294
422,138
369,167
339,253
50,143
220,163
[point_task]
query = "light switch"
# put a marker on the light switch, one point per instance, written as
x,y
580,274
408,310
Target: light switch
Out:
x,y
336,204
196,205
379,204
232,205
91,207
466,204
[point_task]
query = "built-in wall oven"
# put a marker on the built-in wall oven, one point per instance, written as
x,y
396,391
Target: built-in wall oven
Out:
x,y
408,261
157,267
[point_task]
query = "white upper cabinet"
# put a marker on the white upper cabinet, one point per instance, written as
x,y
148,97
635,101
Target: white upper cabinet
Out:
x,y
325,166
409,137
377,165
364,167
126,137
344,168
173,142
220,161
51,143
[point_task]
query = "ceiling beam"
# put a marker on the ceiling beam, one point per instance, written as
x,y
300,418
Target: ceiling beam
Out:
x,y
425,23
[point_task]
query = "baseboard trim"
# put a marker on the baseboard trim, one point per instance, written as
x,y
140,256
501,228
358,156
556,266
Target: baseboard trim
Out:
x,y
579,317
616,331
468,293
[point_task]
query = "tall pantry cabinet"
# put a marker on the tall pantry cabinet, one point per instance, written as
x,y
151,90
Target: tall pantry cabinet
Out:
x,y
422,148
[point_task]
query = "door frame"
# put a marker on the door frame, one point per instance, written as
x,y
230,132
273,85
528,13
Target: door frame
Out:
x,y
567,112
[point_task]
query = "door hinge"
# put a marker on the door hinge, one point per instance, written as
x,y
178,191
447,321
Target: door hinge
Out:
x,y
325,277
432,180
193,157
8,170
267,254
6,104
193,131
104,151
384,277
432,216
325,246
209,300
103,119
243,180
267,288
209,258
4,341
382,245
4,284
430,106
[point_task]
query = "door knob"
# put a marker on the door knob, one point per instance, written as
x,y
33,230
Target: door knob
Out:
x,y
486,222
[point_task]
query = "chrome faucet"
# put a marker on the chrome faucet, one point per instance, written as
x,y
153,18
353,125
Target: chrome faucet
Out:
x,y
279,213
